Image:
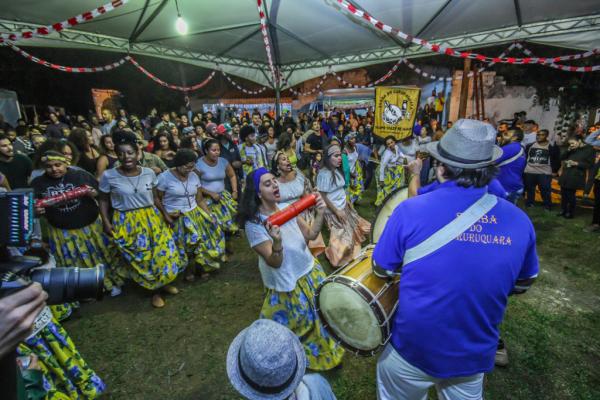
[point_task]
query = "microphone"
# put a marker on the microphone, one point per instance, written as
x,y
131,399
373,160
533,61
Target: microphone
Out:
x,y
282,216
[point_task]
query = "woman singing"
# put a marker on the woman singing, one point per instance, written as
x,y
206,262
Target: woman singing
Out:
x,y
141,235
347,229
196,233
289,271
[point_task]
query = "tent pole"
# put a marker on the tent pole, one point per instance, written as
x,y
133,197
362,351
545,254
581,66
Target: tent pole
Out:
x,y
481,96
476,92
277,101
464,89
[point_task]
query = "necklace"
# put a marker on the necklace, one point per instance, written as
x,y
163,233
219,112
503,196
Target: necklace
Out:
x,y
137,182
185,187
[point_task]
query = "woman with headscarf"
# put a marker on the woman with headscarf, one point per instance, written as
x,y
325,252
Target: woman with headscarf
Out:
x,y
141,235
347,230
289,272
356,185
74,228
391,170
195,229
292,186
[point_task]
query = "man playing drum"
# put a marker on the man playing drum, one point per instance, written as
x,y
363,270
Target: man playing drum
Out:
x,y
461,252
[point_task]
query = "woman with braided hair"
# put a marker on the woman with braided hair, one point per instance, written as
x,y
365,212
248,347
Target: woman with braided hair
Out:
x,y
141,235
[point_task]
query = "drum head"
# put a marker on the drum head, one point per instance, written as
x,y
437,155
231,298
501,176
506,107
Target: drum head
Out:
x,y
384,212
350,317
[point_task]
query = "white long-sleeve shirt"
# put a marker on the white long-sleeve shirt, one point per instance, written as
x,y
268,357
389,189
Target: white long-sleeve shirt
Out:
x,y
390,159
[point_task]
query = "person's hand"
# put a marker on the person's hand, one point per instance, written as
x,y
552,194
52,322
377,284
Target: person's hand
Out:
x,y
17,314
156,170
415,166
108,229
234,195
274,232
215,196
40,211
93,193
321,205
33,363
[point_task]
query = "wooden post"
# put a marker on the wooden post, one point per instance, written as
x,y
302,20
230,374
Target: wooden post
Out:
x,y
481,96
464,89
476,93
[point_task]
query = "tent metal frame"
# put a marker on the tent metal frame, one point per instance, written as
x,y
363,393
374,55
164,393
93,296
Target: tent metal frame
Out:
x,y
339,63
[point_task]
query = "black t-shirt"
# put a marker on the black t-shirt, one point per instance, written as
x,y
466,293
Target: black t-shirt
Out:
x,y
17,171
74,214
315,141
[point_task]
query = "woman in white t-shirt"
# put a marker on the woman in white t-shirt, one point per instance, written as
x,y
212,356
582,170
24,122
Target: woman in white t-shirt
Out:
x,y
293,185
289,271
347,230
391,170
195,230
137,228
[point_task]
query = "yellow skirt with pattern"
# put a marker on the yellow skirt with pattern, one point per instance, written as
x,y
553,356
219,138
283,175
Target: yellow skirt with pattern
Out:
x,y
146,243
224,210
394,180
199,236
85,248
66,375
296,310
357,184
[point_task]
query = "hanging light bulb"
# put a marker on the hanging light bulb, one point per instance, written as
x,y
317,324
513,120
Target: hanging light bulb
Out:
x,y
180,25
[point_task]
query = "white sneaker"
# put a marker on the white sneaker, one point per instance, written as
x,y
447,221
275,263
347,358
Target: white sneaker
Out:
x,y
115,291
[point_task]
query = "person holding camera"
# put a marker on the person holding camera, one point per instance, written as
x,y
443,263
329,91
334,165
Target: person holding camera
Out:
x,y
138,226
74,227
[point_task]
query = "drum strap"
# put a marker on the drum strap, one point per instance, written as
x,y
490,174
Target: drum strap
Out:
x,y
513,158
449,232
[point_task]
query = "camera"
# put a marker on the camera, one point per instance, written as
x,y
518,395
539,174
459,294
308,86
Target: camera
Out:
x,y
63,285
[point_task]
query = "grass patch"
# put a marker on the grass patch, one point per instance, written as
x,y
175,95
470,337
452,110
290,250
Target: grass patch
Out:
x,y
179,352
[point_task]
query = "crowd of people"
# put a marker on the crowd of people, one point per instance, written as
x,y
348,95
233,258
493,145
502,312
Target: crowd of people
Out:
x,y
169,191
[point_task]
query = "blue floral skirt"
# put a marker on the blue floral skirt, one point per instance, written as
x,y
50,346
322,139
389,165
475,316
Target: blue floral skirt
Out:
x,y
66,375
200,237
296,310
146,243
357,184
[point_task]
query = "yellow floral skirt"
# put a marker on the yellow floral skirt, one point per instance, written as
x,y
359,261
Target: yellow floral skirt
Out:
x,y
66,375
224,210
296,310
394,180
198,235
146,244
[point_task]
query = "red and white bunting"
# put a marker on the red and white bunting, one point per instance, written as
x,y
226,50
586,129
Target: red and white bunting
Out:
x,y
64,68
168,85
239,87
466,54
264,29
567,68
59,26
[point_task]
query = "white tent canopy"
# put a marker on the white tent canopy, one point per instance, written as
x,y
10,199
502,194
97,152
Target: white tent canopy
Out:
x,y
308,36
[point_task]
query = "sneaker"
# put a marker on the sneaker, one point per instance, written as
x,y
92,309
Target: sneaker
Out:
x,y
592,228
115,291
501,359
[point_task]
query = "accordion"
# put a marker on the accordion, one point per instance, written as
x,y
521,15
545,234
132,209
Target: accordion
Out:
x,y
16,217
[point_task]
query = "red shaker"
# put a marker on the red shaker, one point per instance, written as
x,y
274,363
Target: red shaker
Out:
x,y
282,216
75,193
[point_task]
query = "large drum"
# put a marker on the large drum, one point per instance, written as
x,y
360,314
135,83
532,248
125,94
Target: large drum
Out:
x,y
356,306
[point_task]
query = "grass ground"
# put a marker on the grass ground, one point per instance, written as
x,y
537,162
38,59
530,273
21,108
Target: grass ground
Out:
x,y
178,352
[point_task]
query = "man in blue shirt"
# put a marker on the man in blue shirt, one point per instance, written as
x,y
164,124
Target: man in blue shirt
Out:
x,y
512,164
452,297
